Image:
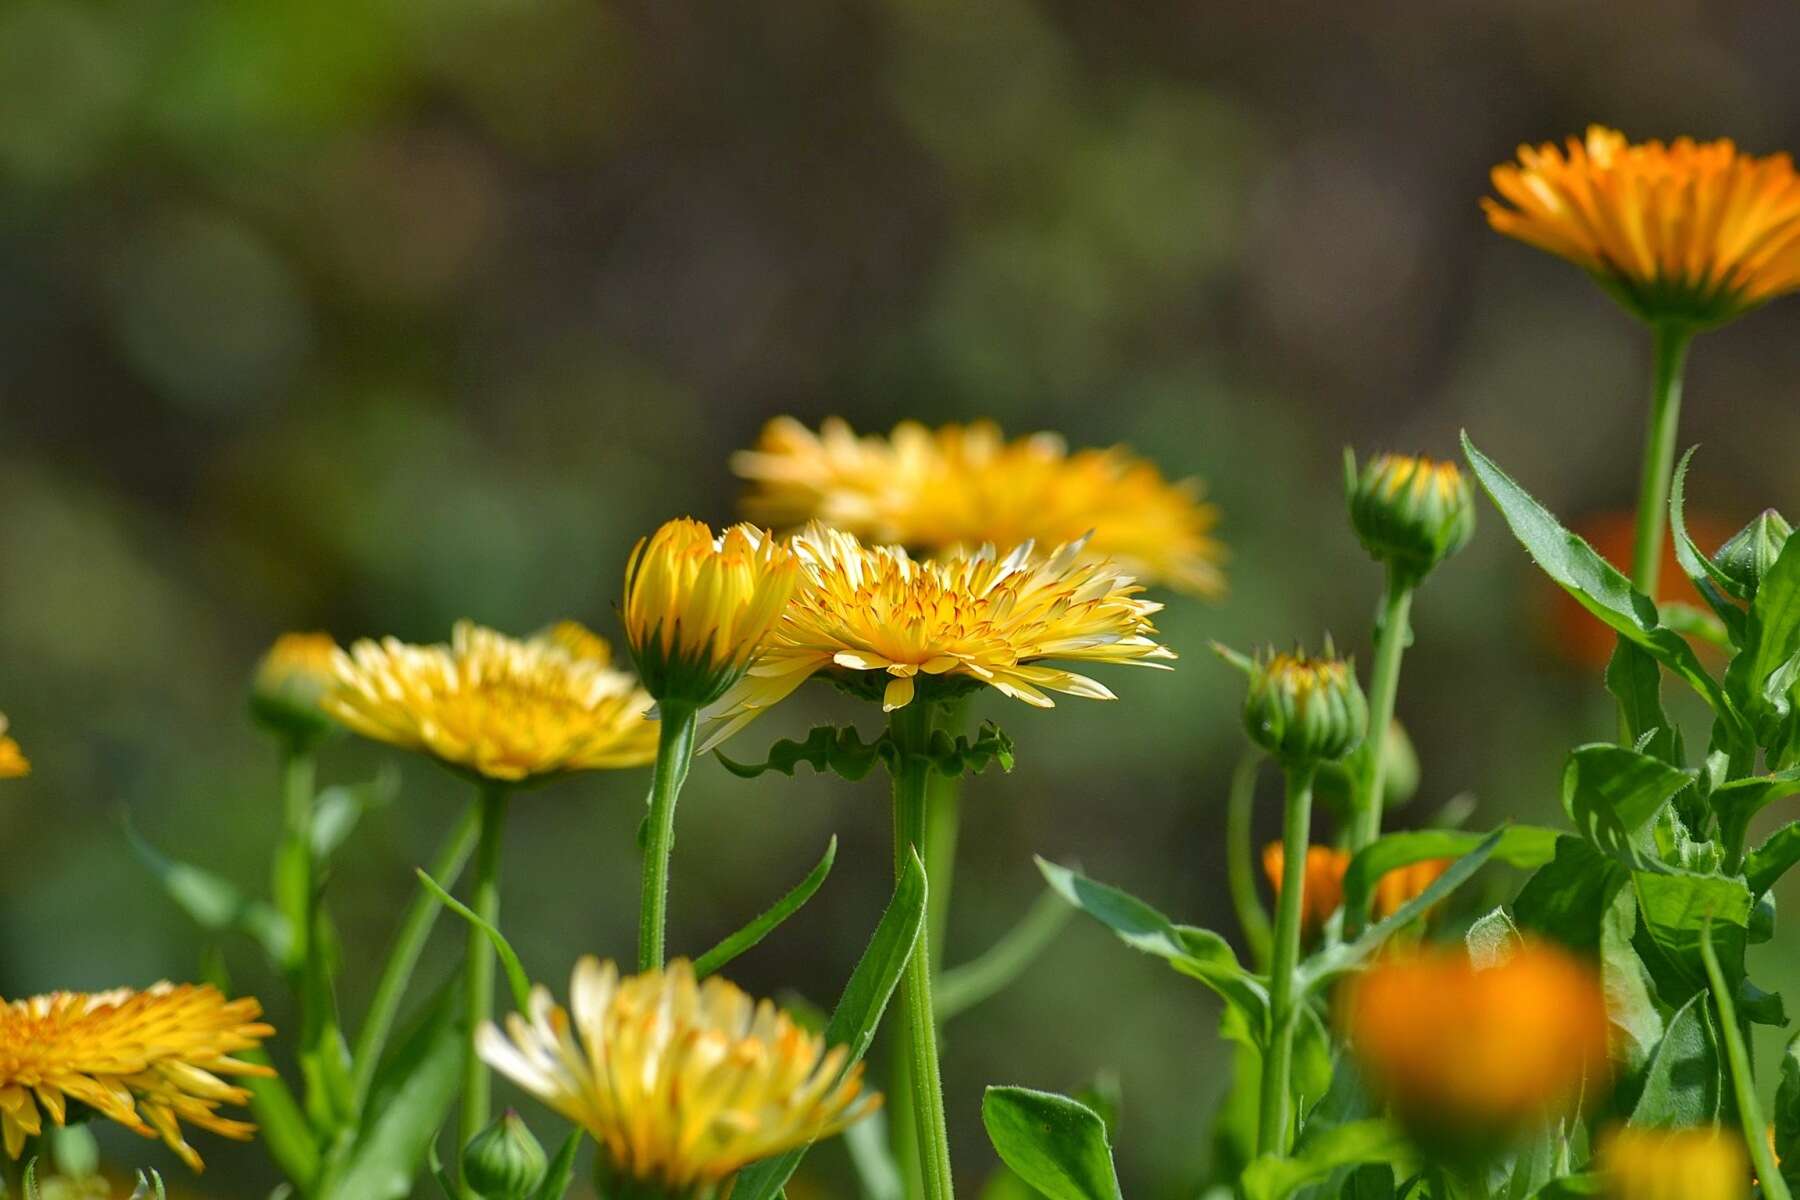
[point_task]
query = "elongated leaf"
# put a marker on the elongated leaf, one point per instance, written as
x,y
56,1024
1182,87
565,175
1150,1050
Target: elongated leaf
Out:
x,y
1631,1005
338,809
1738,802
1771,639
1674,910
1773,858
1328,964
281,1125
858,1012
1520,845
1195,952
968,984
1684,1081
561,1174
1053,1143
766,923
1711,582
876,1173
516,978
1595,583
213,902
412,1095
1274,1178
1635,681
1565,899
1612,792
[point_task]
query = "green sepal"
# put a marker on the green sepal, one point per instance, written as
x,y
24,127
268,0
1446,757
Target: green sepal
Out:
x,y
841,751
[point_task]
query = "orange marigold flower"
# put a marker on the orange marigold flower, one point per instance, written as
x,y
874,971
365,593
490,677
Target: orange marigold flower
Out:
x,y
1322,891
1470,1059
1673,1164
962,486
1689,232
148,1060
13,763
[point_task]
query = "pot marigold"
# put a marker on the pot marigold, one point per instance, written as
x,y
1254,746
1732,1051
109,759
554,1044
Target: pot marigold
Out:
x,y
963,486
503,708
148,1060
290,682
1322,893
698,607
681,1082
1690,232
13,763
1469,1058
1673,1164
968,619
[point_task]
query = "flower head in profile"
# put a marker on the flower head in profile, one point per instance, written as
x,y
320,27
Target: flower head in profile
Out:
x,y
503,708
680,1081
1471,1058
290,681
882,620
13,763
1703,1163
148,1060
963,486
1689,233
1304,708
698,608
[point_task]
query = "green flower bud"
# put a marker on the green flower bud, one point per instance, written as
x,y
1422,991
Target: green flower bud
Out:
x,y
289,682
1410,513
1305,710
504,1162
1751,551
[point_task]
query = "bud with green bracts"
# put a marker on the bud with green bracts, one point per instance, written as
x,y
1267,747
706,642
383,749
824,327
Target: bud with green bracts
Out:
x,y
1410,512
1751,551
1305,710
504,1162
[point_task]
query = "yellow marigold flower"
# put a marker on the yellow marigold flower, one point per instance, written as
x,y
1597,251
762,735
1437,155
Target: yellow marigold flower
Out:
x,y
1322,891
680,1082
969,619
1691,232
1471,1058
699,607
13,763
1674,1164
962,486
503,708
290,682
147,1060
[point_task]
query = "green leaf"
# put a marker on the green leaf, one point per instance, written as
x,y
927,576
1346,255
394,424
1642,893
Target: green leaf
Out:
x,y
434,1166
1053,1143
1564,900
1612,792
1683,1082
965,985
1274,1178
1630,1001
1519,845
1772,859
1333,961
1572,1187
1195,952
561,1175
827,750
1756,678
412,1094
339,808
766,924
214,903
1674,910
516,978
1711,582
1787,1113
1738,802
1492,939
281,1125
1595,583
858,1012
1635,681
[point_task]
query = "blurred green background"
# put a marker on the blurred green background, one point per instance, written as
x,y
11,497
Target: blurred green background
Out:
x,y
370,315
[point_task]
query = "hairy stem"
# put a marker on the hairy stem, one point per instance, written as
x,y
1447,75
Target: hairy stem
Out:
x,y
1272,1120
674,751
1240,857
478,966
1659,455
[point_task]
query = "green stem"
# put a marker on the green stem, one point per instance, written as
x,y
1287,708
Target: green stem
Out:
x,y
674,751
298,770
1659,454
910,728
409,944
1743,1078
478,965
1391,636
1240,857
1272,1121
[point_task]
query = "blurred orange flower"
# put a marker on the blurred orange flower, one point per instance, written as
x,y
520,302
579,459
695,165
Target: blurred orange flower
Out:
x,y
1471,1058
1674,1164
1322,892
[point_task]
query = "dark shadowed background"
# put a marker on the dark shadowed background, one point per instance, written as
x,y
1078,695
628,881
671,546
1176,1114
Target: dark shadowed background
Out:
x,y
367,315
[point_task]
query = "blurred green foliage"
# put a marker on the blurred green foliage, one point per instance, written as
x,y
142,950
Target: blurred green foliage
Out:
x,y
367,316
